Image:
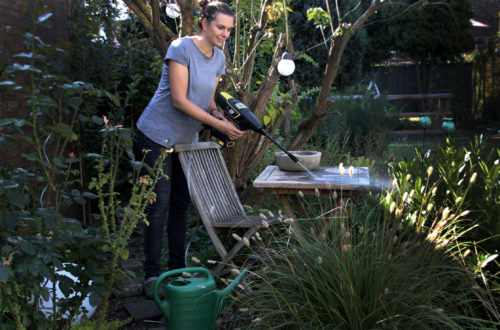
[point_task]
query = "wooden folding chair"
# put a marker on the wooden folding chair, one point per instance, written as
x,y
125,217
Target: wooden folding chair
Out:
x,y
214,196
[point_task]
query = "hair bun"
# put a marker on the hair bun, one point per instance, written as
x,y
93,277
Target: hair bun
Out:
x,y
203,3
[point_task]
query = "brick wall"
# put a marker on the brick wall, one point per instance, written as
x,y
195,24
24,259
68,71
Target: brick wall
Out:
x,y
15,20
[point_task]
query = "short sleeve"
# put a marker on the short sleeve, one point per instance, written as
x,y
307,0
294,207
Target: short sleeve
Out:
x,y
177,52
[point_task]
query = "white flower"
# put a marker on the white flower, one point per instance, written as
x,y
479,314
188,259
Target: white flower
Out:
x,y
236,237
429,170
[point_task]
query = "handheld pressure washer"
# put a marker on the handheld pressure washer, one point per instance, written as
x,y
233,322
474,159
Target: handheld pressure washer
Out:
x,y
243,118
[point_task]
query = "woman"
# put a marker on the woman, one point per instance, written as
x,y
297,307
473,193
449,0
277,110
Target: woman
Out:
x,y
183,101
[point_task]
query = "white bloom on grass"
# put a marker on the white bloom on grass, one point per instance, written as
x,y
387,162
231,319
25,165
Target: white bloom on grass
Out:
x,y
460,182
288,220
398,213
316,192
386,291
405,196
320,260
351,171
211,262
429,207
258,236
361,229
458,200
464,213
236,237
270,214
265,224
430,169
263,216
301,194
256,320
341,168
394,182
196,260
186,274
246,241
446,211
412,193
392,207
434,191
473,177
244,310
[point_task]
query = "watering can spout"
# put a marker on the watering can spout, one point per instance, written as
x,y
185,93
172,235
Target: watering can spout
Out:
x,y
223,295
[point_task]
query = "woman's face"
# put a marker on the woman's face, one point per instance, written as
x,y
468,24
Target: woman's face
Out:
x,y
218,30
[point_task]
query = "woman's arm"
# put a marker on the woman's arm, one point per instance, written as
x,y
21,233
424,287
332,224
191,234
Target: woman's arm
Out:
x,y
179,77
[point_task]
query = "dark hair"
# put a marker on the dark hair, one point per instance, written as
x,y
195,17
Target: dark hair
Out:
x,y
210,9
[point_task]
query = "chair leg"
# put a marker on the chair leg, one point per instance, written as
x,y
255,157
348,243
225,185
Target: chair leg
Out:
x,y
227,258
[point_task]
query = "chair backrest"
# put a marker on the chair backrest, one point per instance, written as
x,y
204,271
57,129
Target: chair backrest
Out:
x,y
210,185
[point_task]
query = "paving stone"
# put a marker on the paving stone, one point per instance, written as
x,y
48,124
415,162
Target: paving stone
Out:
x,y
133,264
143,309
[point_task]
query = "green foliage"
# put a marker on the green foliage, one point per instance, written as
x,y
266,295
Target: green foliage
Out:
x,y
437,30
455,199
37,237
119,215
312,35
367,271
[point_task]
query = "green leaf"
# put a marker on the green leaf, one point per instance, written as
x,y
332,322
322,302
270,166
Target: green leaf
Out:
x,y
266,120
114,98
16,198
65,130
27,247
4,142
136,165
124,253
44,17
5,273
80,200
89,195
7,83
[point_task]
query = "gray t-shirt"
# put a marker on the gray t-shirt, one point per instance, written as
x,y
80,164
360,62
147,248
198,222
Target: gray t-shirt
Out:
x,y
161,121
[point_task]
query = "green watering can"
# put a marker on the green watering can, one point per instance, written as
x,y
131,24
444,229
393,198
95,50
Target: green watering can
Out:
x,y
192,302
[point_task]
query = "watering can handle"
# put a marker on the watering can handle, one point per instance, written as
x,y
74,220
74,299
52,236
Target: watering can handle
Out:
x,y
163,305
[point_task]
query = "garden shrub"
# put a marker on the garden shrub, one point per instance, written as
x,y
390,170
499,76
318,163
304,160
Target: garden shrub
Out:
x,y
38,238
356,123
453,195
369,271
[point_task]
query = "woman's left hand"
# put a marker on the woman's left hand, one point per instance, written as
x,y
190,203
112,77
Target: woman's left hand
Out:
x,y
218,114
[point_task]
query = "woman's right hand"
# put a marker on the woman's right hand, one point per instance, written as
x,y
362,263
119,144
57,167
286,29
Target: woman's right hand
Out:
x,y
229,129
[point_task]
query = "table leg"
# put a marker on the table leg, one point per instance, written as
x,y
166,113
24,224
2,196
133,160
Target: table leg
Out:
x,y
289,211
299,207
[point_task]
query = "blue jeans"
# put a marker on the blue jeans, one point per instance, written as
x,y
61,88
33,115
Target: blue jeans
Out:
x,y
172,196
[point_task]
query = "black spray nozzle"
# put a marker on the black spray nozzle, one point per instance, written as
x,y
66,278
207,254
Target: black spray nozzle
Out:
x,y
292,157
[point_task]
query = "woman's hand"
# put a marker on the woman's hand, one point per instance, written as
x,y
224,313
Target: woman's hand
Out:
x,y
229,129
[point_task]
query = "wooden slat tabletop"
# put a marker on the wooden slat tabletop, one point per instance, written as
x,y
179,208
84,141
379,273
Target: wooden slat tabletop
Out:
x,y
325,178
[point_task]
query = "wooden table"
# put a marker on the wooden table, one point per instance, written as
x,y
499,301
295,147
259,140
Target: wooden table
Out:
x,y
326,180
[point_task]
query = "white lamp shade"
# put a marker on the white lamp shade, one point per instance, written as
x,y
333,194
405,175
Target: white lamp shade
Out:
x,y
286,66
172,10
